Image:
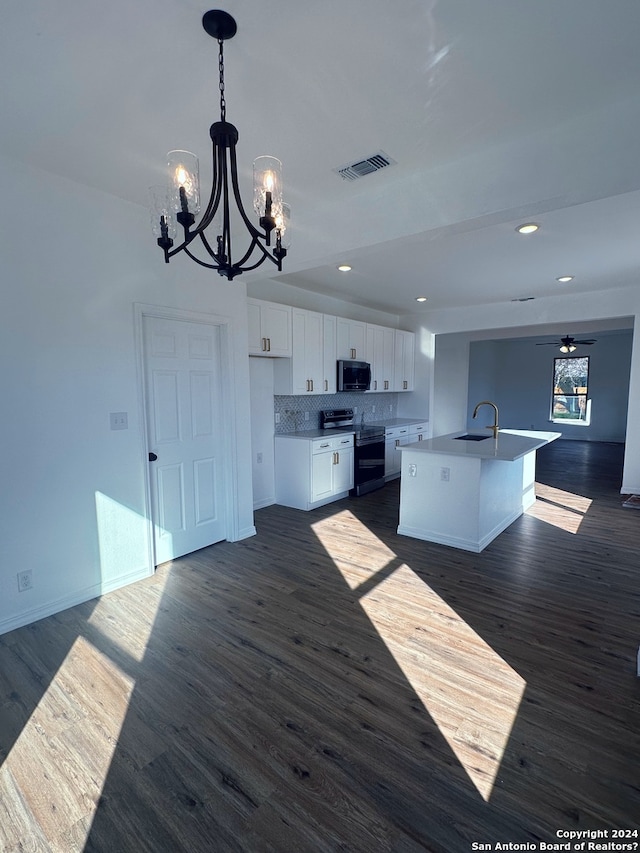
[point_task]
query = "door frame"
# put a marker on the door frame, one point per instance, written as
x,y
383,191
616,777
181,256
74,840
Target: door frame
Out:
x,y
229,442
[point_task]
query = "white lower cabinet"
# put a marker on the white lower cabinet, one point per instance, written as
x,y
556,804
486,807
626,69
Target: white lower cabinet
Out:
x,y
311,472
394,438
418,431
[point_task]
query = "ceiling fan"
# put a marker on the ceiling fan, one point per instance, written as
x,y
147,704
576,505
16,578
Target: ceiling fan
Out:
x,y
567,344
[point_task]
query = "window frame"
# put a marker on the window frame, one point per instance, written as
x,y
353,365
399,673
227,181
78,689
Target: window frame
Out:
x,y
582,395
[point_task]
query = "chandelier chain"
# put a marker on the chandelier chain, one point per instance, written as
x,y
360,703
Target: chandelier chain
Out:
x,y
223,103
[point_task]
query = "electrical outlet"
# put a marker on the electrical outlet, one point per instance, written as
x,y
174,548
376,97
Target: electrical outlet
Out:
x,y
445,474
413,470
25,580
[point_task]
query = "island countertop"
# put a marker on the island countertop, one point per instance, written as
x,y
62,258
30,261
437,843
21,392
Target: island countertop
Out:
x,y
508,446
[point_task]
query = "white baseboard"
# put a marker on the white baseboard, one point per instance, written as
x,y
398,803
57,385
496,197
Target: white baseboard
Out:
x,y
64,603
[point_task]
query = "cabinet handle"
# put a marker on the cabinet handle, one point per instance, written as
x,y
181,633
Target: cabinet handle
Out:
x,y
353,353
375,384
346,441
337,455
311,384
420,436
264,345
326,444
405,384
307,381
268,344
386,384
326,384
397,443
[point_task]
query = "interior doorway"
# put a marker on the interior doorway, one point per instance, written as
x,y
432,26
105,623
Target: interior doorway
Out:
x,y
184,417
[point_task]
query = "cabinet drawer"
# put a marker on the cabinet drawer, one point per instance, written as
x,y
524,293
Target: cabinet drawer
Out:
x,y
325,445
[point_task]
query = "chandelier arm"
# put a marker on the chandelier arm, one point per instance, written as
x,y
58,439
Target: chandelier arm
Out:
x,y
198,261
214,198
210,251
236,194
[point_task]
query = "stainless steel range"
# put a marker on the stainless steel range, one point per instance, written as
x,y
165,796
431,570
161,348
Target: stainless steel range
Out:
x,y
368,464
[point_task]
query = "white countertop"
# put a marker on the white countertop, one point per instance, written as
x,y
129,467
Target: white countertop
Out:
x,y
397,422
508,446
316,433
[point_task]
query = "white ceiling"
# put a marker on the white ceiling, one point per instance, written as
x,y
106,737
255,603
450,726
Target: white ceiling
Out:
x,y
496,112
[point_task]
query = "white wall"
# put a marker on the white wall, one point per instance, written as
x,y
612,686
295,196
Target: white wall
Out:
x,y
518,376
73,501
262,431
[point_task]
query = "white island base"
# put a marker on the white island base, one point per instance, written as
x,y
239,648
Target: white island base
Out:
x,y
464,493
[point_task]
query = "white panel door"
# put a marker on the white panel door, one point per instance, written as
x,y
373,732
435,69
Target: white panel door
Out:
x,y
185,423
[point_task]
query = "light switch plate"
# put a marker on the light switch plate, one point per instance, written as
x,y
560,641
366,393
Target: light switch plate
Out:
x,y
119,420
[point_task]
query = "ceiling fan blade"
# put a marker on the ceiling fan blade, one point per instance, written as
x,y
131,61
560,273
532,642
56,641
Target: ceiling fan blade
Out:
x,y
549,344
588,343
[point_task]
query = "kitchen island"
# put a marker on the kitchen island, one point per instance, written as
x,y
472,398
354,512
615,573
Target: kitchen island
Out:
x,y
463,489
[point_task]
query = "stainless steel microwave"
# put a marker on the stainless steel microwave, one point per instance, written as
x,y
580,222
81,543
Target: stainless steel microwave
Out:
x,y
353,375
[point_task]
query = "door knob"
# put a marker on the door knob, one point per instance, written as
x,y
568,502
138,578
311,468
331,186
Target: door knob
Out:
x,y
152,457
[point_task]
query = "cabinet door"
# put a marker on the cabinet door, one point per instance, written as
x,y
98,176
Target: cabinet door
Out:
x,y
392,456
404,360
313,352
321,475
329,357
276,328
351,339
256,345
343,470
269,328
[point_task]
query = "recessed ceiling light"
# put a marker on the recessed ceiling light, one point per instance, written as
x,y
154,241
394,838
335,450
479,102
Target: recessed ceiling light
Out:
x,y
421,298
344,268
527,228
564,278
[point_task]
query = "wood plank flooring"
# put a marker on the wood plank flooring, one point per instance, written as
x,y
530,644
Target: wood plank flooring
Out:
x,y
328,685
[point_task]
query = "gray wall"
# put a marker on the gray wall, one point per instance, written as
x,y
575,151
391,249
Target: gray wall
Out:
x,y
517,376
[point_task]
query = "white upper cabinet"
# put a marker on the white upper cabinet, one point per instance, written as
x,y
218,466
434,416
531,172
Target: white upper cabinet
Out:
x,y
269,329
330,328
351,339
312,367
404,360
380,353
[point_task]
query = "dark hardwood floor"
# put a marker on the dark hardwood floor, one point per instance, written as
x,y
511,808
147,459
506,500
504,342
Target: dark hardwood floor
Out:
x,y
330,686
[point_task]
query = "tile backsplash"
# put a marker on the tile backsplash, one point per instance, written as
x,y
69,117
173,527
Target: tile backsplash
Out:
x,y
292,410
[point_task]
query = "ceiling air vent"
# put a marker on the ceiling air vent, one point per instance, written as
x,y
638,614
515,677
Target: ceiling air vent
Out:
x,y
353,171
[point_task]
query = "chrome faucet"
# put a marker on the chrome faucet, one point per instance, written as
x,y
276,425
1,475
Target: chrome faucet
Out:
x,y
495,426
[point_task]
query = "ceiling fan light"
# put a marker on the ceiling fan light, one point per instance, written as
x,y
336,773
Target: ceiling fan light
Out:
x,y
564,278
527,228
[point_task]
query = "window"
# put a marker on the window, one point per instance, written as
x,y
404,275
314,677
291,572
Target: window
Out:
x,y
570,403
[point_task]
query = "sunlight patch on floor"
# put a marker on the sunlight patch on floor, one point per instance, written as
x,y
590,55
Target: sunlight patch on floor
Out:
x,y
471,693
562,509
357,552
74,732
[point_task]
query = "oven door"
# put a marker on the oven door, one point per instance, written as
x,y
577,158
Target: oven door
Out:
x,y
368,465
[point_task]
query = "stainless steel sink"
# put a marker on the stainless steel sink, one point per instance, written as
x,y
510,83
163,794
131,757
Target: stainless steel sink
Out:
x,y
470,437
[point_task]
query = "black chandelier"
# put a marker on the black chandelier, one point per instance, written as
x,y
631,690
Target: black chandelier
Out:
x,y
180,200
